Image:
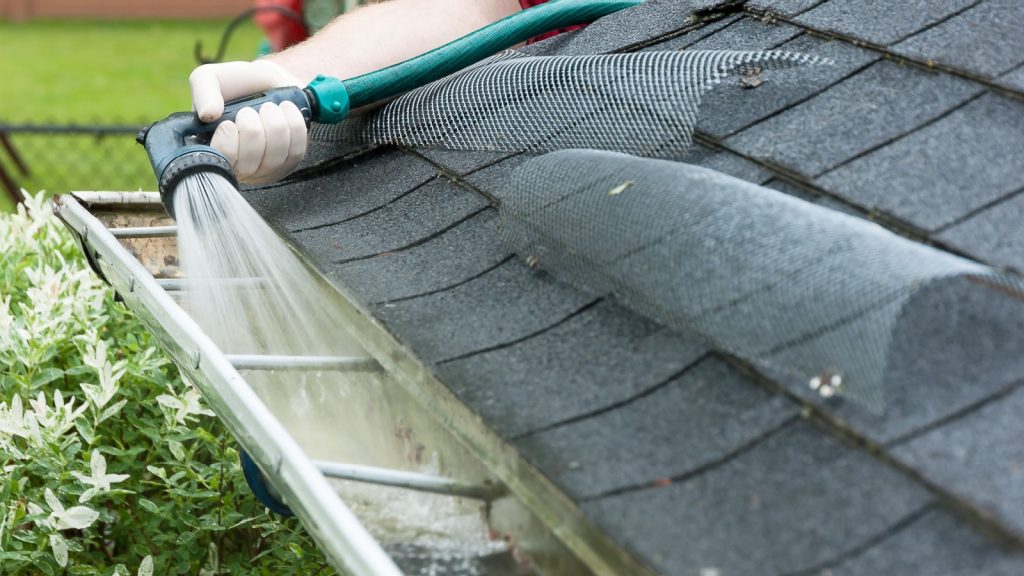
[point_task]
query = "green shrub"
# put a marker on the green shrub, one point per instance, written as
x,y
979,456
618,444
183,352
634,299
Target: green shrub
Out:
x,y
109,463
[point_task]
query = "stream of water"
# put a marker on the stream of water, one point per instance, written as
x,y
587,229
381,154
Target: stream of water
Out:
x,y
253,295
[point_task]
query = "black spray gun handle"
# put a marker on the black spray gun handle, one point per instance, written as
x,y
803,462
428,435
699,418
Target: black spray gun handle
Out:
x,y
166,138
179,145
204,132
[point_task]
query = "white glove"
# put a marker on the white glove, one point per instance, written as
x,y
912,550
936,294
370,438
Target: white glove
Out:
x,y
262,146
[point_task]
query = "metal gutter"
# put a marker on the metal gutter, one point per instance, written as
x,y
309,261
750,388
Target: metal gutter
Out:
x,y
347,544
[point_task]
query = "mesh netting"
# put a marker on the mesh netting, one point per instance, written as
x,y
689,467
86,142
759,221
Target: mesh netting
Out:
x,y
803,292
808,295
642,103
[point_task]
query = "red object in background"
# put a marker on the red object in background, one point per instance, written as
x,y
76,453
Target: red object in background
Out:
x,y
281,30
528,3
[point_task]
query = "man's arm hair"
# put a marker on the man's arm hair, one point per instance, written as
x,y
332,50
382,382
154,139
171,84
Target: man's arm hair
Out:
x,y
385,33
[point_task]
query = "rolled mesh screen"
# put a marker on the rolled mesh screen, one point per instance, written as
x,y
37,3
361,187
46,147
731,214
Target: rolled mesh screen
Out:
x,y
805,293
642,103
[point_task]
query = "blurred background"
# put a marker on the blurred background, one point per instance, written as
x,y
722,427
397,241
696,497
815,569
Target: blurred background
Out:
x,y
80,77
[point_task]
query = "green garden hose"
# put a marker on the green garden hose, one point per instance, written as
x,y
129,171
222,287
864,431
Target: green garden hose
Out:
x,y
476,46
336,97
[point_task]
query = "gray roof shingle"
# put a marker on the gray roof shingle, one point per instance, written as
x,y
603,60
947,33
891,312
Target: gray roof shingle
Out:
x,y
976,460
881,22
936,544
729,108
984,39
783,7
869,108
503,306
699,417
728,163
522,388
944,170
993,231
796,500
340,191
402,222
465,251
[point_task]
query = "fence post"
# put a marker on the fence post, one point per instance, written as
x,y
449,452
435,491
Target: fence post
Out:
x,y
12,189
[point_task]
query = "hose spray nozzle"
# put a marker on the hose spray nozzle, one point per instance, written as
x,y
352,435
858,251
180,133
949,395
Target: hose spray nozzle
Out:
x,y
179,145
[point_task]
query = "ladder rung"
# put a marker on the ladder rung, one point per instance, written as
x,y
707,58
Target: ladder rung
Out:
x,y
183,284
145,232
274,362
410,480
171,284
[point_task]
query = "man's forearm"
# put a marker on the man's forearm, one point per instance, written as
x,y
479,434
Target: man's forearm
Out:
x,y
382,34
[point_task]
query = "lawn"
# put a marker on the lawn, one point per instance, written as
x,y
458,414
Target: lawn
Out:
x,y
130,73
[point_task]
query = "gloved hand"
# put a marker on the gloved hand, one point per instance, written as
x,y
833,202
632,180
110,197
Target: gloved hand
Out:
x,y
263,145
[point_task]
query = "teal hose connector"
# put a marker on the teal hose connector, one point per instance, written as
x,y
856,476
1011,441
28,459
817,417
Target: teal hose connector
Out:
x,y
329,98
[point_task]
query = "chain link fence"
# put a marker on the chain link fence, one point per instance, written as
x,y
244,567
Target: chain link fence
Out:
x,y
62,158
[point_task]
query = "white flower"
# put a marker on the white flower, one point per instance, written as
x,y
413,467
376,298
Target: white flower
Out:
x,y
99,480
146,566
6,319
33,429
177,450
12,420
46,288
74,518
99,395
183,407
58,420
60,549
95,356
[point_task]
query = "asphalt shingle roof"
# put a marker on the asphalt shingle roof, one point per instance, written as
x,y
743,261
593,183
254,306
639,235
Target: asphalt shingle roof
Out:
x,y
680,453
965,159
628,357
984,39
792,502
880,22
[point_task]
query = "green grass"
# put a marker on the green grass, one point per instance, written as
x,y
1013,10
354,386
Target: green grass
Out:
x,y
99,72
69,71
